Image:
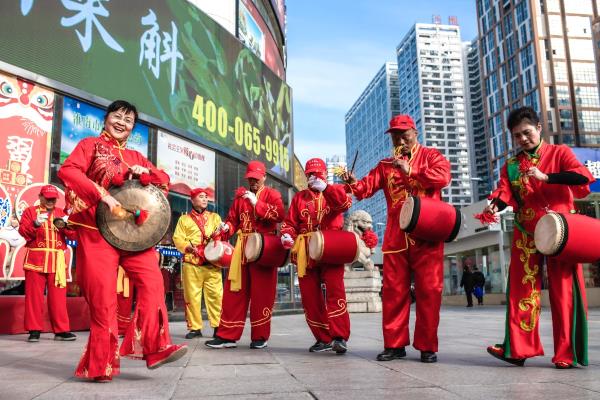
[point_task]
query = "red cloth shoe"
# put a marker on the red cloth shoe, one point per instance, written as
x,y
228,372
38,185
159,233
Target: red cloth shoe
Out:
x,y
563,365
498,352
172,353
103,379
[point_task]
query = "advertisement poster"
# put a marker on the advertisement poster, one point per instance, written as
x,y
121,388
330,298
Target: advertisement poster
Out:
x,y
255,34
82,120
590,157
170,59
189,165
26,113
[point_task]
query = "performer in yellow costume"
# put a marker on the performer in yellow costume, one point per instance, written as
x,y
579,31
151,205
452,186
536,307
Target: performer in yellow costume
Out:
x,y
193,232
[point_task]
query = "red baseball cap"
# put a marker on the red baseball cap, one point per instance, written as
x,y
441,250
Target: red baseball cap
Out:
x,y
255,170
197,191
315,165
49,192
401,122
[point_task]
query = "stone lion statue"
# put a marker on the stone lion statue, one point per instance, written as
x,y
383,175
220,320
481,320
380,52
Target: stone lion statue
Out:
x,y
358,222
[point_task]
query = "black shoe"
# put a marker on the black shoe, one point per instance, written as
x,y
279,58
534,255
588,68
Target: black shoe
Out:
x,y
498,352
258,344
215,329
319,347
470,305
65,336
34,336
339,346
218,343
428,357
391,354
194,334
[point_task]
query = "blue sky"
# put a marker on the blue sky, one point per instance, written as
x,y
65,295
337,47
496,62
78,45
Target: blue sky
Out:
x,y
335,47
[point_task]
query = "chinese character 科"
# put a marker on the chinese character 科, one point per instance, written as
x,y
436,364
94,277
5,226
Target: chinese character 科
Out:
x,y
150,47
594,167
87,11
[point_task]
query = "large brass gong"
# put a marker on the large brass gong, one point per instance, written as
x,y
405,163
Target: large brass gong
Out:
x,y
124,233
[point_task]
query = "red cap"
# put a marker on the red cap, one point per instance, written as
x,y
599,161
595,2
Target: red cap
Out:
x,y
255,170
49,192
197,191
315,165
401,123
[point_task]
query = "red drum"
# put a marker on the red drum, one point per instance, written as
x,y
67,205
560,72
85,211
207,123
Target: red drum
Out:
x,y
334,247
265,250
430,219
568,237
219,253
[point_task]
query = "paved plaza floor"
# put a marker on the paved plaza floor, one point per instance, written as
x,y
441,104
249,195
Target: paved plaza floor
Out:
x,y
286,370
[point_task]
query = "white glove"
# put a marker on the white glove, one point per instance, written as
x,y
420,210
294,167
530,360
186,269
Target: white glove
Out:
x,y
317,183
223,227
287,241
65,218
251,197
41,218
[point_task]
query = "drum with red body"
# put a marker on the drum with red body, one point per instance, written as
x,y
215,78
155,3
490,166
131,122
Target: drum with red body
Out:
x,y
334,247
430,219
568,237
219,253
265,250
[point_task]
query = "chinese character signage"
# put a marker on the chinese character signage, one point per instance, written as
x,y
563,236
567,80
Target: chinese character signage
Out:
x,y
167,57
189,165
590,157
82,120
26,114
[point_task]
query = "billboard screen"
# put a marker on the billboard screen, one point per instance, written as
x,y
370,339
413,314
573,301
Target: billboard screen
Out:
x,y
255,34
167,57
188,164
82,120
222,11
590,157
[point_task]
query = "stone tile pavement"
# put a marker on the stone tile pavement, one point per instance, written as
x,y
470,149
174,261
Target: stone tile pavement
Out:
x,y
286,370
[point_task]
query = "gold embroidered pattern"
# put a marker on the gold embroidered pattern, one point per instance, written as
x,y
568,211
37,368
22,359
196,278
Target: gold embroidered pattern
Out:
x,y
267,318
526,214
340,311
532,302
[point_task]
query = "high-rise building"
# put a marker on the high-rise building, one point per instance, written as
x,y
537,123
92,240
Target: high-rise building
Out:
x,y
540,54
478,149
333,163
366,123
430,73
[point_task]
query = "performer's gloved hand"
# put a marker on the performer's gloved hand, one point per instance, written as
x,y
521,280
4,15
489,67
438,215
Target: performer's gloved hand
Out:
x,y
287,241
251,197
139,170
41,218
223,227
317,184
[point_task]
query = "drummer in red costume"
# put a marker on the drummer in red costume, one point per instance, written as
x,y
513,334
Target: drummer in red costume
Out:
x,y
320,207
414,170
258,209
540,178
45,266
93,167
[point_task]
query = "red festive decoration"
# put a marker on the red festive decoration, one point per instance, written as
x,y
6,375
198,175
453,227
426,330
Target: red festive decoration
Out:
x,y
370,238
117,180
145,179
140,216
487,218
525,164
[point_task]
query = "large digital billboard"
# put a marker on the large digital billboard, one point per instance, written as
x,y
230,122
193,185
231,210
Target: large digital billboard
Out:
x,y
167,57
82,120
590,157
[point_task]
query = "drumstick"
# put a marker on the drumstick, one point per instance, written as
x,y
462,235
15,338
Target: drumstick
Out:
x,y
354,162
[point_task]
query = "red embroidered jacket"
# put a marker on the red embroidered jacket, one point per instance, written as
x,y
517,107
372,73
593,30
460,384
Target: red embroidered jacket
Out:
x,y
90,169
429,173
43,241
311,211
262,218
530,198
